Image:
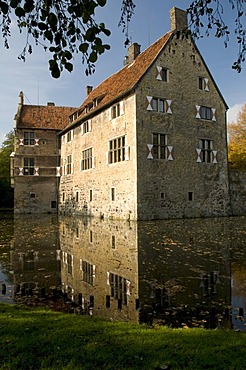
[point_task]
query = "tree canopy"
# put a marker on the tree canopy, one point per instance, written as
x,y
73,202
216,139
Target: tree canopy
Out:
x,y
237,141
65,28
6,199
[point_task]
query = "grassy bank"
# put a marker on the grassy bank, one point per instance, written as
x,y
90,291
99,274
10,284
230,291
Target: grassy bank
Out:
x,y
43,339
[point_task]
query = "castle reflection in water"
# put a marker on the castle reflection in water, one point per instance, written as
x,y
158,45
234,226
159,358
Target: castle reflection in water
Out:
x,y
174,272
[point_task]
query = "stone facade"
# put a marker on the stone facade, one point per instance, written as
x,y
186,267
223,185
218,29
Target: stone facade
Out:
x,y
171,117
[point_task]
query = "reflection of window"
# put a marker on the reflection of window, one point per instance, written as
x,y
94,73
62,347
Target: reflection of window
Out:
x,y
29,138
118,287
28,166
28,261
69,263
88,272
117,150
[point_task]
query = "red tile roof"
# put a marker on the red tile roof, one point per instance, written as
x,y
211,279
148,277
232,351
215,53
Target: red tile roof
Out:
x,y
44,117
124,80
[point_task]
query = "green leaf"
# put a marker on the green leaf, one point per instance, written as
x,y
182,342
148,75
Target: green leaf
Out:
x,y
83,47
49,35
69,67
4,7
14,3
20,12
42,26
101,2
93,57
52,20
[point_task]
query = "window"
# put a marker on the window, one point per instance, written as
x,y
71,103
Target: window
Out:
x,y
91,195
29,138
69,263
159,146
159,105
32,195
113,194
113,242
69,136
76,196
28,166
190,196
86,161
63,197
86,127
69,164
53,204
116,110
203,83
162,74
206,113
117,150
206,147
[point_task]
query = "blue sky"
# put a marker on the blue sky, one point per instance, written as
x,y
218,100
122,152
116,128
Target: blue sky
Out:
x,y
151,21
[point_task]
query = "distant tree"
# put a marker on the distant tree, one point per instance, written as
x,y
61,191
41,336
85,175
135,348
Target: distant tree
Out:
x,y
6,198
237,141
65,28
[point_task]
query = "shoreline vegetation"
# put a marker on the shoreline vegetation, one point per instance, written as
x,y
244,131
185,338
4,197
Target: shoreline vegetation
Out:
x,y
39,338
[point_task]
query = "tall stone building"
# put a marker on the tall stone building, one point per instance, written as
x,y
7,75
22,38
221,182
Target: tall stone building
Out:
x,y
35,162
150,141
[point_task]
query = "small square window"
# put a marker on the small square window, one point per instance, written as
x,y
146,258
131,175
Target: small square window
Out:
x,y
163,195
32,195
53,204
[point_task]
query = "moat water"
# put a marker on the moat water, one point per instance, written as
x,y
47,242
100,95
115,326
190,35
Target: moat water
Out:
x,y
173,272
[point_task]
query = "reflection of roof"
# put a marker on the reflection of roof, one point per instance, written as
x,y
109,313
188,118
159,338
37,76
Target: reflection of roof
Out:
x,y
122,81
44,117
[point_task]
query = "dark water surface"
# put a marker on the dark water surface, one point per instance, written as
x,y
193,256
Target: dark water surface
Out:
x,y
175,272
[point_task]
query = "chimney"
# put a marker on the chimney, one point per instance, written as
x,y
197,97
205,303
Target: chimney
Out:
x,y
133,52
178,19
50,104
88,90
21,98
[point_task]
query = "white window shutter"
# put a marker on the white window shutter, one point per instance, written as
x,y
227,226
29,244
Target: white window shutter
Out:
x,y
108,278
106,158
213,114
80,264
159,69
21,141
206,87
72,167
71,134
36,142
170,156
58,171
36,171
215,159
89,125
94,270
199,160
110,113
121,107
93,162
127,153
198,111
169,110
150,155
58,254
149,98
21,171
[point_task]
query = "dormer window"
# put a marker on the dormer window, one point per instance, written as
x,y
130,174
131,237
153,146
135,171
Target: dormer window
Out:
x,y
116,110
